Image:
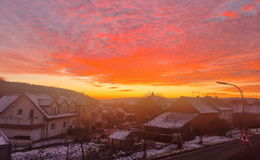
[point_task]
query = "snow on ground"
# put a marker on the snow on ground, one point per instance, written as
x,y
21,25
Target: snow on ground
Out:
x,y
57,152
188,145
158,148
149,152
254,131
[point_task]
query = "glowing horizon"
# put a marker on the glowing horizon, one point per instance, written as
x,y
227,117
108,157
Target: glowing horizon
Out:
x,y
129,48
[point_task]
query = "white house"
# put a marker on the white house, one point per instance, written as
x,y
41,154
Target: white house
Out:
x,y
35,116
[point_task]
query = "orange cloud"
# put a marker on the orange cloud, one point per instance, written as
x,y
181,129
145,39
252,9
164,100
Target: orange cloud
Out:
x,y
246,88
113,87
231,14
125,90
97,85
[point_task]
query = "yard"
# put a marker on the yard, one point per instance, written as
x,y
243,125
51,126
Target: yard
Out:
x,y
97,149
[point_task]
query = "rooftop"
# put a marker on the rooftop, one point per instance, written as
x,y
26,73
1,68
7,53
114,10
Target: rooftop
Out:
x,y
5,101
3,139
171,120
200,104
120,134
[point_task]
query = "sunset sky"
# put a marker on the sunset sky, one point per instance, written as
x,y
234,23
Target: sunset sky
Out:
x,y
129,48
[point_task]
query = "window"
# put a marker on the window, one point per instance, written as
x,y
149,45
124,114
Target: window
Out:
x,y
53,126
73,123
19,112
31,114
51,110
64,124
54,110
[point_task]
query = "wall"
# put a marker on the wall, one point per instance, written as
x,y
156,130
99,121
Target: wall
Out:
x,y
9,116
59,129
35,134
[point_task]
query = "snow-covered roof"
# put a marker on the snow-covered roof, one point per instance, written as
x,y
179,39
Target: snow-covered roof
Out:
x,y
45,102
3,139
61,99
35,100
171,120
237,108
252,109
82,102
120,134
5,101
218,104
200,104
62,115
42,99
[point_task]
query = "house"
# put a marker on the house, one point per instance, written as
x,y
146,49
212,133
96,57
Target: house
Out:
x,y
35,116
170,127
206,112
224,110
122,139
5,147
186,117
246,112
207,107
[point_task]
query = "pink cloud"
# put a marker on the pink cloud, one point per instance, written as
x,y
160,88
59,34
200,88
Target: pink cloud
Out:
x,y
248,7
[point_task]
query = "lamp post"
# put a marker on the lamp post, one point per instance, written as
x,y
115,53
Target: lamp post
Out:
x,y
241,93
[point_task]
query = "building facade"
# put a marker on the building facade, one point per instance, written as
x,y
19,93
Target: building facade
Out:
x,y
35,116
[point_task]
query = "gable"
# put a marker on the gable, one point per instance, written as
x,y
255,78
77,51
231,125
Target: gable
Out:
x,y
24,103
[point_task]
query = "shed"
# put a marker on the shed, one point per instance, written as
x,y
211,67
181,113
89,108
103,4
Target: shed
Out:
x,y
122,139
170,126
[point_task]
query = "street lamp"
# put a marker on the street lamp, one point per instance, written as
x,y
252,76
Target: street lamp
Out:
x,y
241,93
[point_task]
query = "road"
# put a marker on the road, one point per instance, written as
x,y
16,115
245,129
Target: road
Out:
x,y
218,152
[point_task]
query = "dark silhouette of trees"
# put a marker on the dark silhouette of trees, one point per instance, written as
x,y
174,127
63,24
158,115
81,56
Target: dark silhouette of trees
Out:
x,y
146,109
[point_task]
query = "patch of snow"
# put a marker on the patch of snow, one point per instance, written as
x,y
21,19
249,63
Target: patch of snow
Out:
x,y
200,104
120,134
58,152
171,120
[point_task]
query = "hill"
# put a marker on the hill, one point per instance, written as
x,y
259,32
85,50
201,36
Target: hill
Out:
x,y
7,88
